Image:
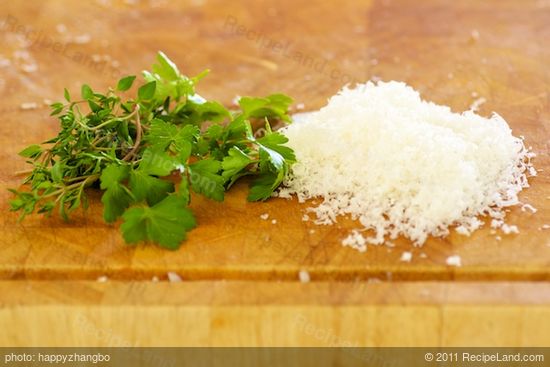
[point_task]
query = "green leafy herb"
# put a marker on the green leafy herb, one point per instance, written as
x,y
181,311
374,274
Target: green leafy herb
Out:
x,y
116,198
206,180
165,223
147,91
132,148
125,83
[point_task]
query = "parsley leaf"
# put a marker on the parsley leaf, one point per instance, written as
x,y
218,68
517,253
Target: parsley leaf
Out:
x,y
144,185
204,179
149,188
275,142
116,197
157,162
147,91
234,163
165,223
170,82
262,187
163,135
165,68
275,161
275,105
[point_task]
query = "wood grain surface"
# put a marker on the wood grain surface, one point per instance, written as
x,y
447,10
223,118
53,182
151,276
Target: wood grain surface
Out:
x,y
452,52
429,45
244,313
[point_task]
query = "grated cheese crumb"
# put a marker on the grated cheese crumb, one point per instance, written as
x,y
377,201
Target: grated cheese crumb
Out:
x,y
477,103
406,256
304,277
29,106
529,207
355,240
462,230
507,229
454,260
264,216
173,277
102,279
403,166
496,223
274,221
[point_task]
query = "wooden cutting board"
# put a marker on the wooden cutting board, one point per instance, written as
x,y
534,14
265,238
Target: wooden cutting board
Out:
x,y
452,52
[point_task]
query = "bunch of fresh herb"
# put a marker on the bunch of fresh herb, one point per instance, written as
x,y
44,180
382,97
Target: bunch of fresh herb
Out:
x,y
128,148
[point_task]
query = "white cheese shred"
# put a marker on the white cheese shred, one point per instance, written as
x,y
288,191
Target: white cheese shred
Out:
x,y
403,166
304,277
454,260
406,256
174,277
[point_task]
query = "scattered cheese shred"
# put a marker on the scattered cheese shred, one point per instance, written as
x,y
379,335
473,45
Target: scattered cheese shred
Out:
x,y
29,106
454,260
304,277
406,256
507,229
529,207
356,240
477,103
173,277
403,166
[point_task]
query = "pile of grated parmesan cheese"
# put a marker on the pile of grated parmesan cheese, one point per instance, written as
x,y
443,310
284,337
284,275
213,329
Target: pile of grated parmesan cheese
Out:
x,y
404,166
